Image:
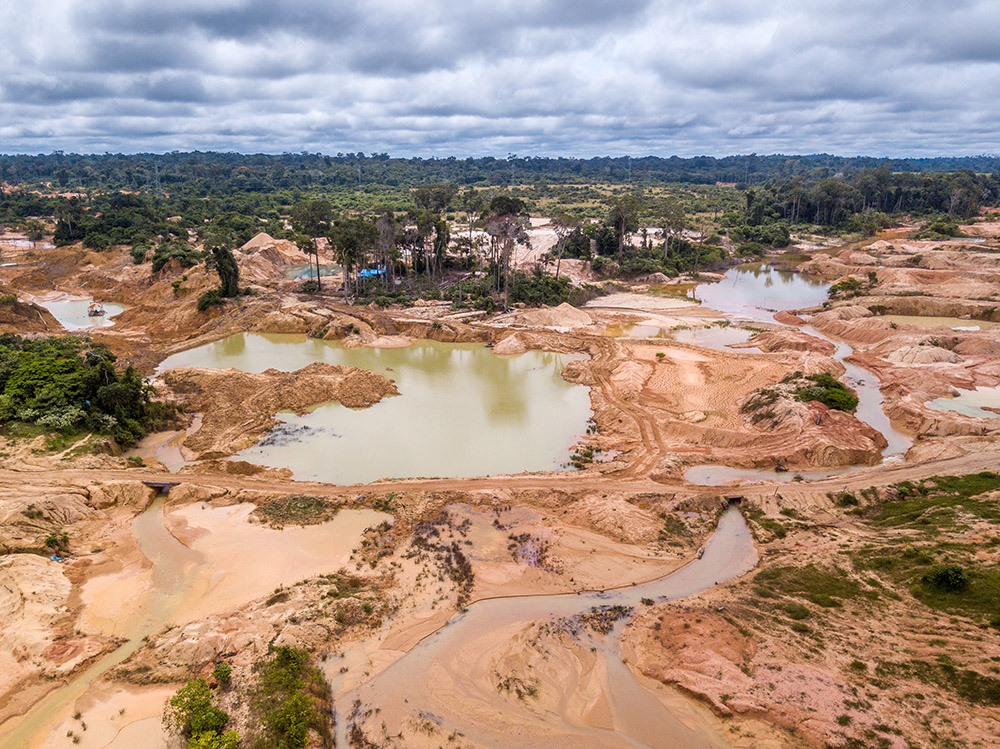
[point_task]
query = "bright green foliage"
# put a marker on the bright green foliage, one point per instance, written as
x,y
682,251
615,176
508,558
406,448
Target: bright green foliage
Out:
x,y
289,697
186,255
828,391
213,740
71,384
191,710
222,672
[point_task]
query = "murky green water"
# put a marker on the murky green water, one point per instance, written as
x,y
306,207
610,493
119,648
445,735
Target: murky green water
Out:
x,y
72,313
308,270
955,323
758,290
971,403
462,411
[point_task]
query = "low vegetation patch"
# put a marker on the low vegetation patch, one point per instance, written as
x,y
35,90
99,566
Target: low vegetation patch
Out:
x,y
297,509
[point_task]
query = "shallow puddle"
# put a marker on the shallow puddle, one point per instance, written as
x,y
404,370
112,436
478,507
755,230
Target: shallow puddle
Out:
x,y
462,411
306,271
971,403
716,475
72,313
716,337
954,323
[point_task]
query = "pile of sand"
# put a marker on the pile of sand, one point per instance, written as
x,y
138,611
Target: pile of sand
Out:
x,y
915,355
563,316
264,257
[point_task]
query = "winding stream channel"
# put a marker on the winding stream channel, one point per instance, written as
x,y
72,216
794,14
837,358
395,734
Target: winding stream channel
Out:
x,y
757,292
437,679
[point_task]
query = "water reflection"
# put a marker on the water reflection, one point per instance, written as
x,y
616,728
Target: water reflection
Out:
x,y
462,411
758,290
72,313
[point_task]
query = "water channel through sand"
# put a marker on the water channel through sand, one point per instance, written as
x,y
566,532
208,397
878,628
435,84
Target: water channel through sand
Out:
x,y
206,575
756,292
447,678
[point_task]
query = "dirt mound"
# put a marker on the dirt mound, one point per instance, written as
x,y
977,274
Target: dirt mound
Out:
x,y
24,317
788,340
653,278
238,407
563,316
916,355
510,345
264,257
787,318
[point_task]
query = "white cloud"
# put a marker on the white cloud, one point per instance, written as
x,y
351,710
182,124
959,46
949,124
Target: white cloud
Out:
x,y
582,78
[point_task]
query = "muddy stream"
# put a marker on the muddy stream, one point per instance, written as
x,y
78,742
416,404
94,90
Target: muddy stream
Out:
x,y
447,678
188,581
756,292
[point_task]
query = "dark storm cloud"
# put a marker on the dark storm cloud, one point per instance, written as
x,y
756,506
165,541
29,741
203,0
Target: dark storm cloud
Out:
x,y
491,76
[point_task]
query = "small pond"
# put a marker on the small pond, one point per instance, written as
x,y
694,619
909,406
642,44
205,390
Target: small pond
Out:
x,y
955,323
758,290
462,410
971,403
309,271
716,475
72,313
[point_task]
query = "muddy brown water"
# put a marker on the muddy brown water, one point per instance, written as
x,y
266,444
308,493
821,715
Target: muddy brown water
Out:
x,y
462,411
181,580
406,688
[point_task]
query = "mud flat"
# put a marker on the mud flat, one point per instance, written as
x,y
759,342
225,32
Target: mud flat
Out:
x,y
197,567
565,649
462,411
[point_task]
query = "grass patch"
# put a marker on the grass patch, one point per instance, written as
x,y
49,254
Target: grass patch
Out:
x,y
296,509
824,587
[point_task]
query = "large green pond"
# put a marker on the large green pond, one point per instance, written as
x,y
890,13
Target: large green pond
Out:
x,y
462,411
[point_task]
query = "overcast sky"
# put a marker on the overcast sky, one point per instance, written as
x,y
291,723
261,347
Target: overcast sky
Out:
x,y
481,77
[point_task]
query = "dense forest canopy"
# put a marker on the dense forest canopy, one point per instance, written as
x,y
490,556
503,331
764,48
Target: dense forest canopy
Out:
x,y
212,173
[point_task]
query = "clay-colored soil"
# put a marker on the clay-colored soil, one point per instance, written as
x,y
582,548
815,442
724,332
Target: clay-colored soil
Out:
x,y
726,666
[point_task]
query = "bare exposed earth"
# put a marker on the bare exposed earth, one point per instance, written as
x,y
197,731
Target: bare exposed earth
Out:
x,y
239,558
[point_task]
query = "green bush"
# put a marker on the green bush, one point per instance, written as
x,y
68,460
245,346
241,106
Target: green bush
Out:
x,y
186,255
67,384
139,254
191,712
828,391
222,672
947,579
210,298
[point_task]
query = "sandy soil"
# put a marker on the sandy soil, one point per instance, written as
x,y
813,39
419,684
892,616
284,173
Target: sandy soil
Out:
x,y
659,406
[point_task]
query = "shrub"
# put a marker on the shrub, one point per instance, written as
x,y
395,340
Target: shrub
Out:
x,y
829,391
139,254
222,672
210,298
947,579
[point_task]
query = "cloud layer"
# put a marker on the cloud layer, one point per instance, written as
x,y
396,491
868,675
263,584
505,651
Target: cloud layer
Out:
x,y
545,77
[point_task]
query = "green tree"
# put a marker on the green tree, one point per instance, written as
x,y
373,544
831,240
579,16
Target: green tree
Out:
x,y
221,256
314,218
623,218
